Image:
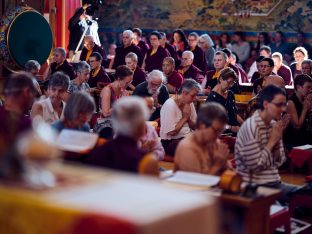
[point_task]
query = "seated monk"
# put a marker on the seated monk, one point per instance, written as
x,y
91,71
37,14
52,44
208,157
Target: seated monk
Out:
x,y
201,151
211,79
139,75
89,48
122,153
60,64
187,68
156,54
174,78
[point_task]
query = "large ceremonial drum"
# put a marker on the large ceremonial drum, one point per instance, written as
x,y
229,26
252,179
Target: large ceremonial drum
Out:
x,y
24,34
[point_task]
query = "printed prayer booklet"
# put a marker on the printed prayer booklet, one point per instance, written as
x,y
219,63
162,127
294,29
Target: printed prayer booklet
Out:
x,y
194,179
304,147
76,141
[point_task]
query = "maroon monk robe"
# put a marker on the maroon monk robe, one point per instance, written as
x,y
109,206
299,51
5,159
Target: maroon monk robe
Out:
x,y
200,59
96,48
139,76
155,61
144,47
193,72
121,53
175,79
285,73
100,77
64,67
211,81
173,54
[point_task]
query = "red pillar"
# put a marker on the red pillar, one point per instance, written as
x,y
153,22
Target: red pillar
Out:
x,y
64,11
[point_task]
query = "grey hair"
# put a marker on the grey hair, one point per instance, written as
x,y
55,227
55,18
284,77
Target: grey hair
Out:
x,y
59,79
189,53
207,39
188,85
77,103
132,56
156,73
128,114
89,37
60,50
278,55
129,32
31,64
82,66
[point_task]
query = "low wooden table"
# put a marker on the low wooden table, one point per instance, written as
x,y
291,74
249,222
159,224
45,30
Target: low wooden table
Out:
x,y
251,214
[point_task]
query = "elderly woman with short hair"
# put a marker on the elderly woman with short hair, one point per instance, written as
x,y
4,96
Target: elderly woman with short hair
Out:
x,y
122,153
178,116
80,83
78,111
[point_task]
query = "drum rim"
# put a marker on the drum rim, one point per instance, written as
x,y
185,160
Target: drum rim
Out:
x,y
8,32
11,64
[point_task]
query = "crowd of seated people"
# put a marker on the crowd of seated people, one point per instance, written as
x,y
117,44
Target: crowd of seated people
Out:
x,y
170,75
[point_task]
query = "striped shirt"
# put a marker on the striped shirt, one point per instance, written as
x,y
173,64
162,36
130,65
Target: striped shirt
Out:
x,y
252,155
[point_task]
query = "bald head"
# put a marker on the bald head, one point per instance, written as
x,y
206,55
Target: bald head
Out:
x,y
275,80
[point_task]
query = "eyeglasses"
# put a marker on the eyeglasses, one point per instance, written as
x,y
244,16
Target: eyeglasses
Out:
x,y
230,82
264,66
92,61
185,59
217,131
280,104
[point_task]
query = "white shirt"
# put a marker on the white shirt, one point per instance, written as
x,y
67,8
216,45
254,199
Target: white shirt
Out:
x,y
49,115
170,115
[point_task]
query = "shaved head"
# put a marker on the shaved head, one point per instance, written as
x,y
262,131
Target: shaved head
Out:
x,y
275,80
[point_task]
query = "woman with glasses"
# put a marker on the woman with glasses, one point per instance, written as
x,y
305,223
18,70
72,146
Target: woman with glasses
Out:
x,y
201,151
221,94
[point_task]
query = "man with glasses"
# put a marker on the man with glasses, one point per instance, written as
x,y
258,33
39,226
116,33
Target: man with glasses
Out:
x,y
201,151
154,87
98,76
187,68
259,149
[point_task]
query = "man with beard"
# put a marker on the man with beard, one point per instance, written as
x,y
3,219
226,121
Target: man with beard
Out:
x,y
155,88
126,48
52,108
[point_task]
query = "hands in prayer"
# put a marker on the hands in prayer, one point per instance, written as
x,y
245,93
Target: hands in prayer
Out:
x,y
221,152
186,111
